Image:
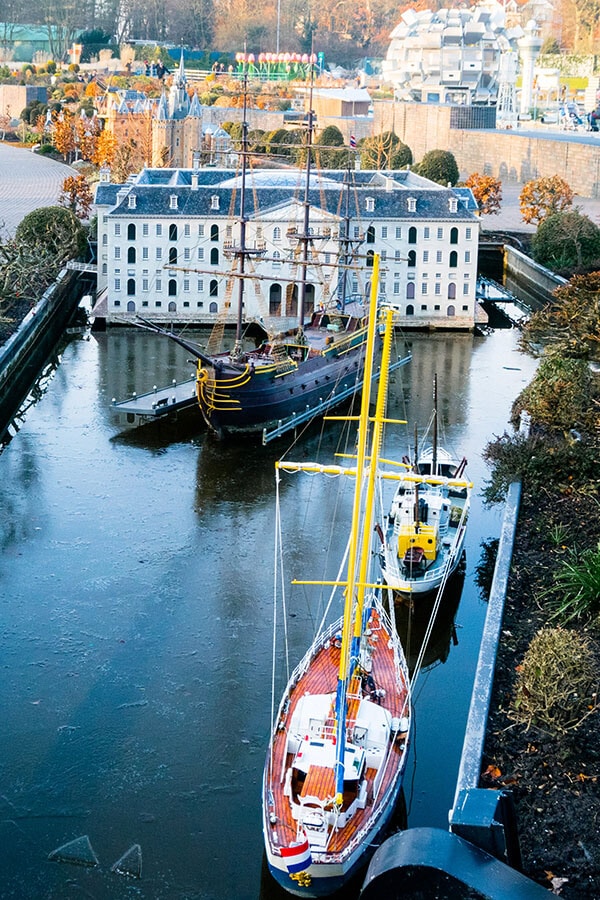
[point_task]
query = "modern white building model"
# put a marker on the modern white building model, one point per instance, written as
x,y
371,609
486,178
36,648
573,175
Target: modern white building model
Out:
x,y
449,55
168,243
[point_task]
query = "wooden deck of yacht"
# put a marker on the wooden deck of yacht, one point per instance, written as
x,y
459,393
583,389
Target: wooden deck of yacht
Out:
x,y
321,678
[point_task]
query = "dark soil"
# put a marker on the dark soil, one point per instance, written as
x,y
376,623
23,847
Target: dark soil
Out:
x,y
11,317
554,780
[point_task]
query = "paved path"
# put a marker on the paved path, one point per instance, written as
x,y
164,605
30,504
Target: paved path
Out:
x,y
509,218
27,181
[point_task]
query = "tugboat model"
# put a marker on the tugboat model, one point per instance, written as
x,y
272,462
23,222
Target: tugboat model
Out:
x,y
424,531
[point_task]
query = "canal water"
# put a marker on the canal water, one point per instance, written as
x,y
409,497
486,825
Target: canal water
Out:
x,y
136,608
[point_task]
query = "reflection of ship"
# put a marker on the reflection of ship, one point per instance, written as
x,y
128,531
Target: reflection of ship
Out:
x,y
236,473
430,620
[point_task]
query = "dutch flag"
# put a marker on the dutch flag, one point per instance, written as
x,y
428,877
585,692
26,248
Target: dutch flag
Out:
x,y
297,857
352,141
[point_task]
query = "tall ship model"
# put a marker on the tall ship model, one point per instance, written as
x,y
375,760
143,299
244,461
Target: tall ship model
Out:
x,y
340,736
422,540
310,368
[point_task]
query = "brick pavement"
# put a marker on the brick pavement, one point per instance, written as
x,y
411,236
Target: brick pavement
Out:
x,y
27,181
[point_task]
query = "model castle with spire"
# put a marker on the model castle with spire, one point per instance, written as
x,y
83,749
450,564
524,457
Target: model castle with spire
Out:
x,y
172,130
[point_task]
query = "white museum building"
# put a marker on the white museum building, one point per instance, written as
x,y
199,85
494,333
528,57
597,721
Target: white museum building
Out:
x,y
169,244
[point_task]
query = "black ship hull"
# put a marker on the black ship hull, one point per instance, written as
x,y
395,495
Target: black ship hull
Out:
x,y
254,396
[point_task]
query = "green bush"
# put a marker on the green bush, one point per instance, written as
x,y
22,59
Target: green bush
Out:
x,y
439,166
54,230
556,682
574,595
540,459
560,394
566,240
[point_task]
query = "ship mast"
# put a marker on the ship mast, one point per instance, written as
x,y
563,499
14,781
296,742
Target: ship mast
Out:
x,y
359,553
345,243
434,454
305,237
242,252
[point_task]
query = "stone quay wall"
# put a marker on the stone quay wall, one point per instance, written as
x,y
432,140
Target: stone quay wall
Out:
x,y
510,155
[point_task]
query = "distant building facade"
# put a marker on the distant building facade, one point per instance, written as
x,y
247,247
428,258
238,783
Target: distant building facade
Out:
x,y
166,244
15,97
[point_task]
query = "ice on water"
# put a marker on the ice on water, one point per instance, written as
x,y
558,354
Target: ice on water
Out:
x,y
79,852
130,863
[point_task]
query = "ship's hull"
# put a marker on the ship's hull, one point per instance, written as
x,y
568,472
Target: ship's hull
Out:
x,y
429,581
328,878
259,395
351,849
421,550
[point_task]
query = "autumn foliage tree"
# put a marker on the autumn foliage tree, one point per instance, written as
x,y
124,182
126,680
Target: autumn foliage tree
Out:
x,y
106,147
76,195
63,133
487,191
87,131
543,197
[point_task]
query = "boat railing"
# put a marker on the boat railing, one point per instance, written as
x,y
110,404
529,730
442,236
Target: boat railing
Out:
x,y
303,666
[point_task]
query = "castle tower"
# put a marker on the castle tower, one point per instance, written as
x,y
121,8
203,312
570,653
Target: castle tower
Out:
x,y
179,101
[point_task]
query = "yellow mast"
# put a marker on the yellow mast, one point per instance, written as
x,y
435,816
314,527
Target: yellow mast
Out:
x,y
380,410
361,458
362,521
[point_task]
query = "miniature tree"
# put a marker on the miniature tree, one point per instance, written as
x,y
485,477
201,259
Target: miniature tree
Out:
x,y
76,195
566,240
439,166
63,134
106,147
571,322
337,157
53,229
542,197
384,151
487,191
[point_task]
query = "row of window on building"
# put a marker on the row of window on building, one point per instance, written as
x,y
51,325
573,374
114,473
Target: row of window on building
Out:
x,y
131,286
277,234
213,307
214,258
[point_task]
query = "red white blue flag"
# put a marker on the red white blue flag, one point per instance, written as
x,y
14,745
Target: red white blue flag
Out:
x,y
297,857
352,141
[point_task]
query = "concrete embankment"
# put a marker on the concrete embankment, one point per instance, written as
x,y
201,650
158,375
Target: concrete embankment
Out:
x,y
23,356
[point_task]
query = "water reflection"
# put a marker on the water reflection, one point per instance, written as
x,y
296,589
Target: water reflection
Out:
x,y
416,630
136,595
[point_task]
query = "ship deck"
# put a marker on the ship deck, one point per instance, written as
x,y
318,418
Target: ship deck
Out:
x,y
321,678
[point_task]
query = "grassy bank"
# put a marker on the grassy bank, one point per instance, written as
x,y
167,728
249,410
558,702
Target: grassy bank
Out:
x,y
543,740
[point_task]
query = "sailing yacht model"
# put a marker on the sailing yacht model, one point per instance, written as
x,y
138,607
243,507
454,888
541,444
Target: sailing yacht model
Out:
x,y
424,531
294,376
339,740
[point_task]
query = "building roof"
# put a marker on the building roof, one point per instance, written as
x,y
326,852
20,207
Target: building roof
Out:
x,y
269,190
